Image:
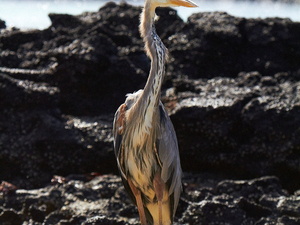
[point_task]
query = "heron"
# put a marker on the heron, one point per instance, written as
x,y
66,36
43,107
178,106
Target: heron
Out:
x,y
145,142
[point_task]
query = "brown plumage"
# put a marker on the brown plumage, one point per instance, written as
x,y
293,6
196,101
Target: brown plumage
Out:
x,y
144,138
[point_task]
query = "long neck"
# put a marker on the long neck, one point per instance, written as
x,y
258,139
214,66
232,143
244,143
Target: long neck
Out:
x,y
157,52
145,110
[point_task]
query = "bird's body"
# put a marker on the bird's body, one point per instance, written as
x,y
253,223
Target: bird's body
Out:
x,y
144,138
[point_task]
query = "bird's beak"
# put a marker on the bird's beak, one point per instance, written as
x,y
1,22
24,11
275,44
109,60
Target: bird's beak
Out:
x,y
186,3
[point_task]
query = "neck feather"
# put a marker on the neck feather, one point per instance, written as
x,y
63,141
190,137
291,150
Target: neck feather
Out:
x,y
155,50
147,105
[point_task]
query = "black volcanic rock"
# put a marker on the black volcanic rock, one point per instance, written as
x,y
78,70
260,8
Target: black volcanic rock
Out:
x,y
232,90
217,44
64,20
250,123
2,24
103,200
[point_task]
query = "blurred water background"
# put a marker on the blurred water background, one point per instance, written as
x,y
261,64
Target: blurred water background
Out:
x,y
33,14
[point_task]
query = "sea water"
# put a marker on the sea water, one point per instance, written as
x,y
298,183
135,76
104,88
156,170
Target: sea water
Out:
x,y
33,14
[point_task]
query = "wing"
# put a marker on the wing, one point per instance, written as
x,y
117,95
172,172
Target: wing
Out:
x,y
119,126
169,156
118,129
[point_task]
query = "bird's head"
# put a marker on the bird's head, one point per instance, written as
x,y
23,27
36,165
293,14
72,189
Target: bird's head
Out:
x,y
148,14
171,3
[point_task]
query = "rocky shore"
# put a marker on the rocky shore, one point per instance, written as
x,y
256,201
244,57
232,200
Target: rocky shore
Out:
x,y
232,89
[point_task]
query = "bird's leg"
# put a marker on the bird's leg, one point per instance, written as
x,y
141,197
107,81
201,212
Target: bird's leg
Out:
x,y
138,197
159,187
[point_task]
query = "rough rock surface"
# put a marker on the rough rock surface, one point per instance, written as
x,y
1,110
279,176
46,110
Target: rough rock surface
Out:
x,y
232,88
103,200
2,24
250,122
